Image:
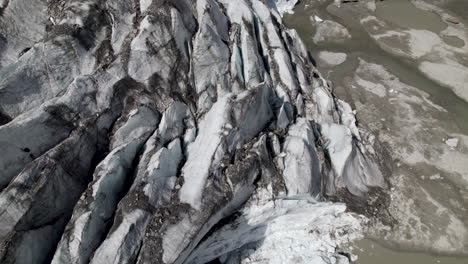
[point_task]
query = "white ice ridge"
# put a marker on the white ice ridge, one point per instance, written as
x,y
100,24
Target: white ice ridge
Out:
x,y
196,169
287,230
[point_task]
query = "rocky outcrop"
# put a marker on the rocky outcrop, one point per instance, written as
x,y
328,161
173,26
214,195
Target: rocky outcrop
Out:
x,y
156,131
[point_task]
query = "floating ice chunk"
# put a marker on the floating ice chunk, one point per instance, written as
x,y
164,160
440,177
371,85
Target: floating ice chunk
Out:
x,y
285,6
317,19
330,59
452,142
331,31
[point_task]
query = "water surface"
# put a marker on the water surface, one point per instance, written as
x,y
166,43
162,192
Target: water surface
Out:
x,y
371,252
361,45
404,14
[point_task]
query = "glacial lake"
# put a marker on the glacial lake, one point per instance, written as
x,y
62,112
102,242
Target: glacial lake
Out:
x,y
404,14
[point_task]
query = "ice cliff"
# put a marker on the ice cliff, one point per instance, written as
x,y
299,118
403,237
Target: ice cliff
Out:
x,y
172,131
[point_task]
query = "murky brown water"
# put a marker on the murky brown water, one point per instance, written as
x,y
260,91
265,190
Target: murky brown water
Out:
x,y
404,14
454,41
361,45
407,15
371,252
458,7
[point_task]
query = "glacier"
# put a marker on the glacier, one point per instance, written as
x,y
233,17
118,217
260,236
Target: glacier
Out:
x,y
173,132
